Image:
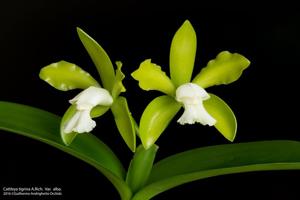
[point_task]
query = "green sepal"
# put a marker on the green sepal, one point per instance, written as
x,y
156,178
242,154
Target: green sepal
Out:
x,y
226,122
66,76
182,54
124,122
140,167
151,77
100,59
224,69
156,117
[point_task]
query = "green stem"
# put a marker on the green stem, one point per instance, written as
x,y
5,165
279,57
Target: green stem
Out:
x,y
140,167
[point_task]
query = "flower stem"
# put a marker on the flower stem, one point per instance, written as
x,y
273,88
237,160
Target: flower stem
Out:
x,y
140,167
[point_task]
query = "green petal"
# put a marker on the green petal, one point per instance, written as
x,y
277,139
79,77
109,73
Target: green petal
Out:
x,y
151,77
140,167
100,59
226,121
99,111
118,86
182,54
65,76
225,69
124,122
156,118
67,138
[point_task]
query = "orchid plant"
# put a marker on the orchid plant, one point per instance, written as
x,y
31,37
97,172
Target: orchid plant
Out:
x,y
144,177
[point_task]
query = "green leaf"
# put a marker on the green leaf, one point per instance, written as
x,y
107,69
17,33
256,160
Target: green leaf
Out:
x,y
226,121
65,76
156,117
220,160
100,59
44,126
224,69
151,77
124,122
182,54
118,86
140,167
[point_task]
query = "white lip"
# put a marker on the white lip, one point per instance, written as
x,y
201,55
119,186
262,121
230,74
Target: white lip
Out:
x,y
85,101
192,96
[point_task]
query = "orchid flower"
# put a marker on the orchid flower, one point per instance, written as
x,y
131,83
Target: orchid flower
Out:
x,y
181,91
94,100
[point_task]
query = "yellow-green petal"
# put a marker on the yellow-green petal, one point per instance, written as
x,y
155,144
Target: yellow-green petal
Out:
x,y
151,77
100,59
224,69
156,117
98,111
67,138
65,76
124,122
118,86
182,54
226,121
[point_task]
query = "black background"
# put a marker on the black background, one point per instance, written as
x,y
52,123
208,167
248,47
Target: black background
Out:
x,y
36,33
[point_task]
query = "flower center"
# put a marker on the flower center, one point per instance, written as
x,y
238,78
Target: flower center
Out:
x,y
192,96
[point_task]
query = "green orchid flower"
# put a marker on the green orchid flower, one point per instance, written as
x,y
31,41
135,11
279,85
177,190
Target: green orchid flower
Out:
x,y
180,91
94,100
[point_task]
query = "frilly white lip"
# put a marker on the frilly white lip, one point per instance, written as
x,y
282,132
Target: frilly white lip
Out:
x,y
192,97
85,101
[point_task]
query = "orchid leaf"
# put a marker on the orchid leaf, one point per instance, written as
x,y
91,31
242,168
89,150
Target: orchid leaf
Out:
x,y
224,69
182,54
151,77
226,121
124,122
100,59
218,160
65,76
156,117
44,126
